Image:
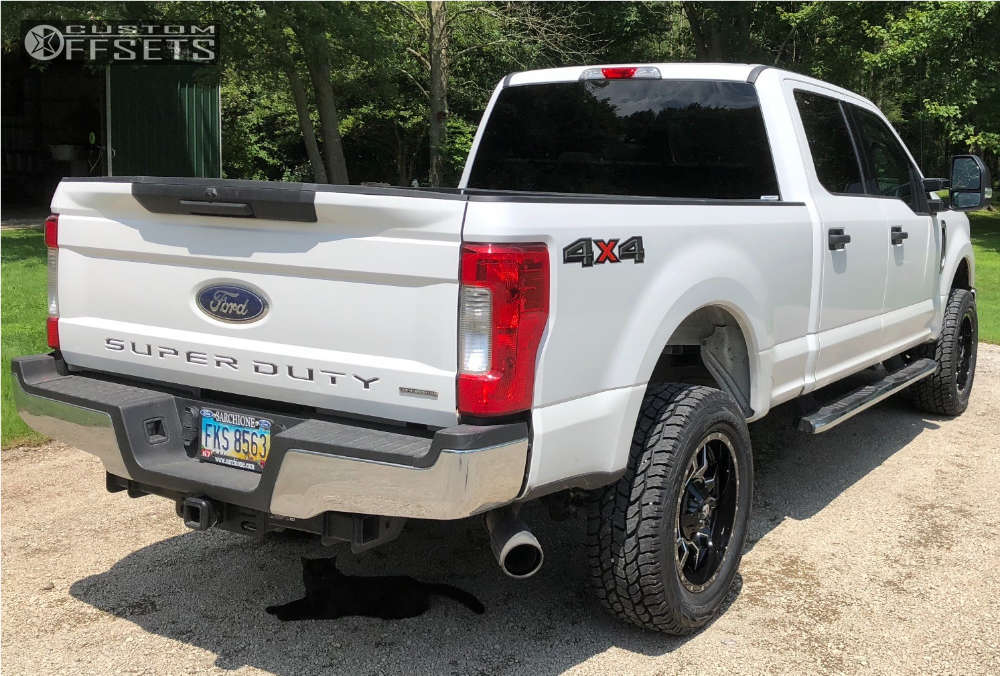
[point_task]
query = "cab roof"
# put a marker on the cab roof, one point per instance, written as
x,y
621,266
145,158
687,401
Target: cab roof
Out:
x,y
668,71
734,72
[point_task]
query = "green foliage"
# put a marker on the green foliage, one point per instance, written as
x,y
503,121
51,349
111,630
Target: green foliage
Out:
x,y
932,67
261,139
952,53
460,134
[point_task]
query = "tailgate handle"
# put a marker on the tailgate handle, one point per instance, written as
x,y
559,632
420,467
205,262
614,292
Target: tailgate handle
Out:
x,y
218,208
226,198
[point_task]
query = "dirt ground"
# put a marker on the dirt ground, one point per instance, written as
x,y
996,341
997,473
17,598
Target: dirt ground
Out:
x,y
874,547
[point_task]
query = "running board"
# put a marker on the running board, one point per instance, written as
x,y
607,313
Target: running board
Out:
x,y
850,405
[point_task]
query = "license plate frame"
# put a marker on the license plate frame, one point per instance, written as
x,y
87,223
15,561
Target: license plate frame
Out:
x,y
234,439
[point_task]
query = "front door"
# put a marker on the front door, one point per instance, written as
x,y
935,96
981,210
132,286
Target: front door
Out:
x,y
910,241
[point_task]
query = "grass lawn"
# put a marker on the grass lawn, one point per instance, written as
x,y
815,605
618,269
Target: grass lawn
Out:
x,y
23,287
986,242
23,254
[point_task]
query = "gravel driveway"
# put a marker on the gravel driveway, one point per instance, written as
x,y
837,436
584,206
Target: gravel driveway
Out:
x,y
875,547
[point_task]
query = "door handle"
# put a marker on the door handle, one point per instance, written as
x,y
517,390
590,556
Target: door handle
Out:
x,y
897,235
837,240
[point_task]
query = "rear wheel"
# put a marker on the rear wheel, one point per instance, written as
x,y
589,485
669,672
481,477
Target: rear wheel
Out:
x,y
666,540
947,391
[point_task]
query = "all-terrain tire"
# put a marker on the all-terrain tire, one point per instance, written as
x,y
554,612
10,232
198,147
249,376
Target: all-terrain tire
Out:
x,y
947,391
632,525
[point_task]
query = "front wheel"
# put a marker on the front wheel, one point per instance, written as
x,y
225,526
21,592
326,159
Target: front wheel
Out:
x,y
665,541
947,391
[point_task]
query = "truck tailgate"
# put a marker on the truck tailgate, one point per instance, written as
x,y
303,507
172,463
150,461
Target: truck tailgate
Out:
x,y
361,303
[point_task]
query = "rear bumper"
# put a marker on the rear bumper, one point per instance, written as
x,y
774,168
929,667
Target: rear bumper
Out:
x,y
315,465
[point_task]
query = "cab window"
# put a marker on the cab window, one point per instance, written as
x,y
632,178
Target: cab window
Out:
x,y
700,139
833,155
891,174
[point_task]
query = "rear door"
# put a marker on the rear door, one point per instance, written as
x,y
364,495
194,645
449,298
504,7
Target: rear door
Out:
x,y
891,175
360,288
854,270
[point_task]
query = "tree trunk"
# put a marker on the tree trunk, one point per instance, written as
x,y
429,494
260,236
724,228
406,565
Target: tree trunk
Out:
x,y
277,18
319,72
437,50
697,26
305,123
402,173
721,30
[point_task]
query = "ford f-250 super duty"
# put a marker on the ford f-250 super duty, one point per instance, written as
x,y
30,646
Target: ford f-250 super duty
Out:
x,y
638,261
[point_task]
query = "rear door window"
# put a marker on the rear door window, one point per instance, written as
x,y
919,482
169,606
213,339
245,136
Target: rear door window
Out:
x,y
658,138
837,166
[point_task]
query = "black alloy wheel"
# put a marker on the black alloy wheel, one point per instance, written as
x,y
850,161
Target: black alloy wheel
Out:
x,y
706,511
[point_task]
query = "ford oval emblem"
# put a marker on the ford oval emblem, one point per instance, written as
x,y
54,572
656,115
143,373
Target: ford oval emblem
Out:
x,y
231,303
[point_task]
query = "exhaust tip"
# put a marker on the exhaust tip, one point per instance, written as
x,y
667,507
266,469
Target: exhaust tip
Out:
x,y
522,560
516,549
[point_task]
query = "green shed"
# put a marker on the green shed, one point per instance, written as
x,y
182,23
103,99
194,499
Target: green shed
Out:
x,y
71,119
163,121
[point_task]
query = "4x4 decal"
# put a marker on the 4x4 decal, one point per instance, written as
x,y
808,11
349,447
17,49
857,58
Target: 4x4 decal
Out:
x,y
582,251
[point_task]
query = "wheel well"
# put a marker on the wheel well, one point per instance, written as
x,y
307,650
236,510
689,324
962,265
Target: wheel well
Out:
x,y
961,279
708,348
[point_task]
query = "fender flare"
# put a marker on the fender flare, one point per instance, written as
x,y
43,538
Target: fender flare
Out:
x,y
727,294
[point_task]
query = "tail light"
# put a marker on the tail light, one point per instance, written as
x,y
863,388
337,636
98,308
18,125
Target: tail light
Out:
x,y
52,242
503,308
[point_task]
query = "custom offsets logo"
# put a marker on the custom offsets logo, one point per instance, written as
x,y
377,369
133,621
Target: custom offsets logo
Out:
x,y
124,41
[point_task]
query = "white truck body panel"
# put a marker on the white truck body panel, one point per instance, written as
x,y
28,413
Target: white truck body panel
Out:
x,y
368,291
807,320
371,289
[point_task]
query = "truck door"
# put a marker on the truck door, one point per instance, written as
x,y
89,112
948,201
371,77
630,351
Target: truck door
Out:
x,y
891,175
853,238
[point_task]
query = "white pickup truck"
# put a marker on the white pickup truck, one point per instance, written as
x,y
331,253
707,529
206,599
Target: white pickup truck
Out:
x,y
638,261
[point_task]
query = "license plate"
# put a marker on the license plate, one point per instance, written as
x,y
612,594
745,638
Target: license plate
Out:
x,y
235,439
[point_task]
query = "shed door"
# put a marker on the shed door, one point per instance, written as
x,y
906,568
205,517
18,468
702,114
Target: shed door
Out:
x,y
163,120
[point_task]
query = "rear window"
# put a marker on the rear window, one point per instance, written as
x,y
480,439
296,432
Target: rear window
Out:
x,y
657,138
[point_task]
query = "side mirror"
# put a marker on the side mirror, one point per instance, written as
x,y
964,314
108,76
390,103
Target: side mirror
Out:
x,y
970,183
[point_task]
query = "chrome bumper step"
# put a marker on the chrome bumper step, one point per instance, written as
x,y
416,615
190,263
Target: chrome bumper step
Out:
x,y
316,464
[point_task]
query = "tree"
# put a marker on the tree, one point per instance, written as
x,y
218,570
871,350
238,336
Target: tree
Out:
x,y
949,55
394,91
931,67
276,32
291,39
434,28
519,35
306,18
741,32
